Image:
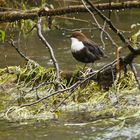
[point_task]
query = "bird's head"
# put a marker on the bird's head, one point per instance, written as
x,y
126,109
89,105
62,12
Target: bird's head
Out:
x,y
78,35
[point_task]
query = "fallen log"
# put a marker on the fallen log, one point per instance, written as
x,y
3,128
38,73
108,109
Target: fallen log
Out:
x,y
12,16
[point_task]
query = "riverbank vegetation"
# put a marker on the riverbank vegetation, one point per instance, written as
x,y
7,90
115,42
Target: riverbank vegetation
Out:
x,y
37,93
28,93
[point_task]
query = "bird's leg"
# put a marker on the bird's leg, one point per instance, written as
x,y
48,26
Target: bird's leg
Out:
x,y
89,70
92,65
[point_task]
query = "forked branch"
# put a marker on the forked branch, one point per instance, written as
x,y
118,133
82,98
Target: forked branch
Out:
x,y
112,26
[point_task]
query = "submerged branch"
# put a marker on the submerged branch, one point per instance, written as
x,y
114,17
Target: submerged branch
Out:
x,y
12,16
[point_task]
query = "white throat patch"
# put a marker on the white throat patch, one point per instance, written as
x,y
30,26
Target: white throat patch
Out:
x,y
76,45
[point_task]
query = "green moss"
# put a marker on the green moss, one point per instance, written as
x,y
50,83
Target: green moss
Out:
x,y
25,85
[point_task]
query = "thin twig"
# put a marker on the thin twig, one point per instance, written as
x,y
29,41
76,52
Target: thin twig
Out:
x,y
74,29
74,86
98,25
19,52
54,110
23,55
49,48
91,14
110,38
67,96
31,29
112,26
101,35
88,76
91,75
71,18
50,95
39,86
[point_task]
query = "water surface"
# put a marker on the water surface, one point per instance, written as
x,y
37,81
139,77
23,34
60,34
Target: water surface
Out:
x,y
34,49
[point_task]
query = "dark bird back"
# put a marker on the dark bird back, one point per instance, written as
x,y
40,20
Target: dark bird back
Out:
x,y
84,49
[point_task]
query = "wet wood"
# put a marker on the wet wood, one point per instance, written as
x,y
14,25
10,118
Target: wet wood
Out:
x,y
12,16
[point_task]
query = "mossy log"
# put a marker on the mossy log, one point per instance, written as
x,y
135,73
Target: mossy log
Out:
x,y
12,15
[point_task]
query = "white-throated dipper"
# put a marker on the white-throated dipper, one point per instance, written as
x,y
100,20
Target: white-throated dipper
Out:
x,y
84,49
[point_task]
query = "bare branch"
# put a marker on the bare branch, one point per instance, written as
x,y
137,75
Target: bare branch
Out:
x,y
108,69
71,88
49,48
91,14
22,55
99,26
19,52
55,93
101,35
112,26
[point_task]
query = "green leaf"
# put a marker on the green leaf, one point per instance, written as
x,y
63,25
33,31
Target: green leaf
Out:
x,y
2,36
